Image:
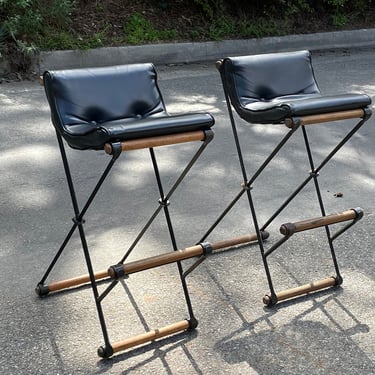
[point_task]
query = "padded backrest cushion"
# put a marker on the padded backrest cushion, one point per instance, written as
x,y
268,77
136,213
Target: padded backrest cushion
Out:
x,y
265,77
80,99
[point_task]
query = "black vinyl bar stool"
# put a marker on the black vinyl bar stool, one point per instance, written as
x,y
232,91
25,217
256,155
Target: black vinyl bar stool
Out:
x,y
281,88
119,109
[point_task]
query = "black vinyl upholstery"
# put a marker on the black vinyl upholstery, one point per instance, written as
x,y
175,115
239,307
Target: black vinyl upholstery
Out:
x,y
91,107
269,88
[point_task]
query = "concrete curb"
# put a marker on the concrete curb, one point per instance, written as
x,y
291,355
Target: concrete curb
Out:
x,y
168,53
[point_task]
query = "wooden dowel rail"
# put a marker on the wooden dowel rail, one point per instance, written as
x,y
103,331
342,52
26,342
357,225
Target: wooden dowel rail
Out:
x,y
147,336
300,290
327,117
157,260
174,256
289,228
148,263
238,241
75,281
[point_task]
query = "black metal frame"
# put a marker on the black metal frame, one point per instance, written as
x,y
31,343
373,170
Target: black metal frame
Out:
x,y
78,222
293,124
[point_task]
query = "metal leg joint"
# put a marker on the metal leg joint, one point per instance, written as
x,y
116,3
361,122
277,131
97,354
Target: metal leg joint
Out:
x,y
117,271
339,279
270,300
164,202
207,248
78,221
292,123
246,186
209,135
193,323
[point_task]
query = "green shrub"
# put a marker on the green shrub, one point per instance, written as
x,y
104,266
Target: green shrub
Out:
x,y
26,20
28,25
260,28
139,30
211,8
222,27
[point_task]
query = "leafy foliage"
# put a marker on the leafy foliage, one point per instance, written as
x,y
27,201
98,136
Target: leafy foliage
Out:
x,y
29,25
139,30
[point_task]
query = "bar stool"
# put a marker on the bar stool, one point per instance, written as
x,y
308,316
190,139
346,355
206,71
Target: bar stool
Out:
x,y
119,109
281,89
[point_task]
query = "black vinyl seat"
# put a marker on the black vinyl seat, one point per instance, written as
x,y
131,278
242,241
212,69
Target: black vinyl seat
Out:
x,y
119,109
267,89
92,107
280,88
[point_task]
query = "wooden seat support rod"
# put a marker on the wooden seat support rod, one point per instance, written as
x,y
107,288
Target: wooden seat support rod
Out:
x,y
325,117
161,140
120,270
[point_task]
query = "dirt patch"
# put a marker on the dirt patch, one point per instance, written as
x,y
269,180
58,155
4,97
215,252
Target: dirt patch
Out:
x,y
108,17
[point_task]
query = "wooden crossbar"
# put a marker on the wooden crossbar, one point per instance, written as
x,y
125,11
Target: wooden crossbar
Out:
x,y
326,117
178,255
148,263
75,281
158,260
300,290
290,228
237,241
147,336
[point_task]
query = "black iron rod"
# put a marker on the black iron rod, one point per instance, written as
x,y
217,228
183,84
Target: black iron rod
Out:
x,y
164,202
167,197
243,169
320,200
78,215
305,182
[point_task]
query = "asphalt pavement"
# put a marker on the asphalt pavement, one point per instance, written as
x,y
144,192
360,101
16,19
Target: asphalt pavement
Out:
x,y
330,332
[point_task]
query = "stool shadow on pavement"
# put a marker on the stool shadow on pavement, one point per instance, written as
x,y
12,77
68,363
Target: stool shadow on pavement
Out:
x,y
158,351
134,359
301,343
155,350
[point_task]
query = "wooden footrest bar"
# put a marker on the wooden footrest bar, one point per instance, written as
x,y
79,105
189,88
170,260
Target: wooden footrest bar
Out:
x,y
300,290
290,228
145,337
121,270
42,290
238,241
